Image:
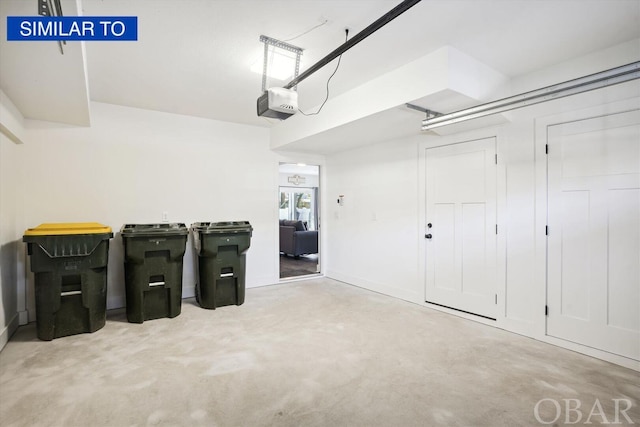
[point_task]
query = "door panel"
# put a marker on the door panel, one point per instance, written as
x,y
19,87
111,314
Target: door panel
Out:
x,y
444,258
461,206
575,235
474,239
593,287
624,267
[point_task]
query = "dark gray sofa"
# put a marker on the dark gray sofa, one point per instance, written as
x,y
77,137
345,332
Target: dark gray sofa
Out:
x,y
296,240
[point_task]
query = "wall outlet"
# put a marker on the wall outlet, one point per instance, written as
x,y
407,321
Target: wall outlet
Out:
x,y
165,216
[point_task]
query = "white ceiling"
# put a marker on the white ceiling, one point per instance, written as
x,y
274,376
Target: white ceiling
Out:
x,y
193,56
42,83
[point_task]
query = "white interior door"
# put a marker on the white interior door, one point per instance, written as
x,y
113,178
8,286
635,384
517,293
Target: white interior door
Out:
x,y
461,226
593,283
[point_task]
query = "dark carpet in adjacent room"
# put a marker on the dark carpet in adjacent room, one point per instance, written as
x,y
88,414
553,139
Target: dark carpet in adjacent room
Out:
x,y
300,266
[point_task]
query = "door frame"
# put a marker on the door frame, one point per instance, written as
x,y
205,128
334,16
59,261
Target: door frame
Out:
x,y
541,206
493,132
312,161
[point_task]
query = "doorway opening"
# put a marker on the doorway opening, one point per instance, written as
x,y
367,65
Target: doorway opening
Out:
x,y
461,227
299,222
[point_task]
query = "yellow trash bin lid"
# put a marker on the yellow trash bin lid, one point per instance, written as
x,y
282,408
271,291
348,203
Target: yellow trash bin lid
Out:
x,y
68,228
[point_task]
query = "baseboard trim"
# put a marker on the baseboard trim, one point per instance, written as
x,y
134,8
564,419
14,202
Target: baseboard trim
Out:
x,y
9,330
258,282
188,291
116,302
592,352
567,345
376,287
119,301
23,317
412,297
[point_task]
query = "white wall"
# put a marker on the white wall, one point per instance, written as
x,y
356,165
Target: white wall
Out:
x,y
371,238
9,237
11,257
132,165
376,240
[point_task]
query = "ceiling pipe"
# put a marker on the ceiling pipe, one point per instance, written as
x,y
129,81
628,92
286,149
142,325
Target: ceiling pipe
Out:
x,y
594,81
375,26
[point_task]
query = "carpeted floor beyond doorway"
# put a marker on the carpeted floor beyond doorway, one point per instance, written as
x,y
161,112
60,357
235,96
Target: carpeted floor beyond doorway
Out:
x,y
301,266
308,353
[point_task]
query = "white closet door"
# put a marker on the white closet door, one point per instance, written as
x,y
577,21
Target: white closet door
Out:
x,y
594,233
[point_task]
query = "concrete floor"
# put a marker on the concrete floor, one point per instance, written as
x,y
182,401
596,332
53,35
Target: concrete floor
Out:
x,y
309,353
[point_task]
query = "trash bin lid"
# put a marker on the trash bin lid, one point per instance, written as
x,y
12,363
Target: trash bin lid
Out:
x,y
145,230
68,228
223,227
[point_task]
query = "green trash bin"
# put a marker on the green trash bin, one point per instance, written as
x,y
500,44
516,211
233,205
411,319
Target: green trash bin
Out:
x,y
69,261
221,248
153,259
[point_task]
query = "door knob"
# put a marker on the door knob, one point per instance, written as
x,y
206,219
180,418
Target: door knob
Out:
x,y
428,236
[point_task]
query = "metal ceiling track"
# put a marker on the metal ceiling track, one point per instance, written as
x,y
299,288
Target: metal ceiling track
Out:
x,y
375,26
47,8
599,80
428,113
269,41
